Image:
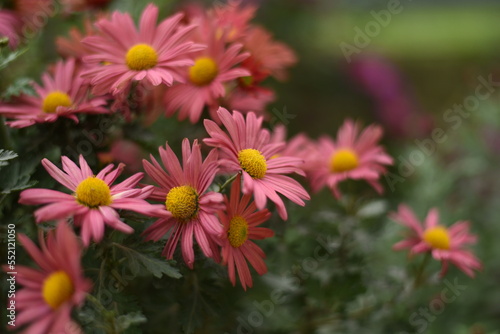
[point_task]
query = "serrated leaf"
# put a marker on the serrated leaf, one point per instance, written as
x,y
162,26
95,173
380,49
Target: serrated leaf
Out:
x,y
16,176
5,156
20,86
125,321
6,60
138,261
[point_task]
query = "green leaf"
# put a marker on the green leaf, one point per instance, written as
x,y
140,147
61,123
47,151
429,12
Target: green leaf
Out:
x,y
6,60
20,86
125,321
6,155
138,261
17,176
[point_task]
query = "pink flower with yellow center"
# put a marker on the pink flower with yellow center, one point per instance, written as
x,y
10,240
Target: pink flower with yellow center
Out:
x,y
48,295
94,200
446,244
241,221
153,53
63,94
353,155
204,81
248,149
190,208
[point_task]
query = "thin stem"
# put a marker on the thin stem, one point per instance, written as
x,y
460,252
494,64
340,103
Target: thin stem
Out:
x,y
228,182
5,141
419,277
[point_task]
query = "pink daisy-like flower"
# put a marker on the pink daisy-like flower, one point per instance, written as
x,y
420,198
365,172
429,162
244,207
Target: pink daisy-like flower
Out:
x,y
268,57
446,244
240,227
63,94
233,18
204,81
247,148
353,155
10,27
190,209
94,200
123,54
49,294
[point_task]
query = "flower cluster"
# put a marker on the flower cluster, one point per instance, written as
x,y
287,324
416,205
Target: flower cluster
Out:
x,y
217,193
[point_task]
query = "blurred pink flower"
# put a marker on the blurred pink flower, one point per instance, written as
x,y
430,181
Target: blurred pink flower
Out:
x,y
190,209
233,18
63,94
49,294
240,223
72,45
124,151
445,244
72,6
247,149
246,100
268,57
153,54
205,80
10,27
353,155
94,201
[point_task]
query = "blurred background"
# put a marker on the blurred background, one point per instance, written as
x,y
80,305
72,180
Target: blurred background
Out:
x,y
406,65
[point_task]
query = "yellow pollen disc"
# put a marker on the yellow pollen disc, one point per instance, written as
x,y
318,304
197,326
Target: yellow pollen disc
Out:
x,y
253,162
343,161
93,192
182,202
57,289
203,71
437,237
141,57
238,231
54,100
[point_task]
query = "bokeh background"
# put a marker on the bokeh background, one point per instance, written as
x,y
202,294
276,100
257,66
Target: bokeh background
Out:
x,y
429,58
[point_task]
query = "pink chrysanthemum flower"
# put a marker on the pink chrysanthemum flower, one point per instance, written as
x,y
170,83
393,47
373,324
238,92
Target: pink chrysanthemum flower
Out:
x,y
446,244
204,81
72,46
248,149
123,54
49,294
190,209
268,57
232,19
10,27
240,227
63,94
353,155
94,200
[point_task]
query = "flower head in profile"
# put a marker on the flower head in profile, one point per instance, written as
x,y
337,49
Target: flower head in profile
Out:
x,y
446,244
241,221
48,294
190,208
204,81
354,155
247,148
62,94
93,201
153,53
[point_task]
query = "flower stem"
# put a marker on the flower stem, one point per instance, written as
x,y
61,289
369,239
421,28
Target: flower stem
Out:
x,y
228,182
419,277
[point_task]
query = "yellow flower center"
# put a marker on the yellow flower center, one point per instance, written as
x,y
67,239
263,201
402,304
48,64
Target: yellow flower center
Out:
x,y
54,100
57,289
437,237
203,71
141,57
93,192
238,231
343,161
253,162
182,202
